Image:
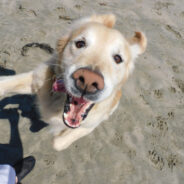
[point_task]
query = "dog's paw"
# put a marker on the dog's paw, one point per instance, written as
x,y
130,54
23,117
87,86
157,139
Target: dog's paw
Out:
x,y
59,144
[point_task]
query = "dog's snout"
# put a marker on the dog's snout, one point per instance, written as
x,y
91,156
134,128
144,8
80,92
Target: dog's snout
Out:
x,y
88,80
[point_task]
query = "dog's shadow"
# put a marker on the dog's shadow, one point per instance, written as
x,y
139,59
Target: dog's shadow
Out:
x,y
25,107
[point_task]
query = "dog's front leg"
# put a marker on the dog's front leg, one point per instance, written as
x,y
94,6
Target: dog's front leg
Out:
x,y
20,84
61,142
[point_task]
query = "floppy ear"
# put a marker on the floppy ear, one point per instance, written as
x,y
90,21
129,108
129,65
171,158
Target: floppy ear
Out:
x,y
60,46
108,20
61,43
138,44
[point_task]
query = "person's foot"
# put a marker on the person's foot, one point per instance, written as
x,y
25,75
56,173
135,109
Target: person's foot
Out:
x,y
24,166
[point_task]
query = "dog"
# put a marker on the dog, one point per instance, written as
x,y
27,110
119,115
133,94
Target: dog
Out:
x,y
80,86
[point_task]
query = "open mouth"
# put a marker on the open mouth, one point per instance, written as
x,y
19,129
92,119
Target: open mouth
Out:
x,y
76,109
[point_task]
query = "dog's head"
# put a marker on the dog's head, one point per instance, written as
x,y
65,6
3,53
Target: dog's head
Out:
x,y
96,59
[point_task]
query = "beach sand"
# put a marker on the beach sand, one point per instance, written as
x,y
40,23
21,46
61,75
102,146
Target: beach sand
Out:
x,y
143,141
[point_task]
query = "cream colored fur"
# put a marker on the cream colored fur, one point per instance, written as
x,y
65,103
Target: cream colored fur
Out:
x,y
103,42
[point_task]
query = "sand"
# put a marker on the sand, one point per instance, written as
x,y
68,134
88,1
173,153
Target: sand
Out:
x,y
143,141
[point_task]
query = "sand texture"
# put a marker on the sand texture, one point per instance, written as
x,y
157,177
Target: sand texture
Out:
x,y
143,141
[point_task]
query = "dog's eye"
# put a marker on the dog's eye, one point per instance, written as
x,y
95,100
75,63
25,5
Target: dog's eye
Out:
x,y
80,44
117,58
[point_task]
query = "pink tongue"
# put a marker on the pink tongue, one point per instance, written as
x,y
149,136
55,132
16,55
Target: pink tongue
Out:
x,y
59,86
77,107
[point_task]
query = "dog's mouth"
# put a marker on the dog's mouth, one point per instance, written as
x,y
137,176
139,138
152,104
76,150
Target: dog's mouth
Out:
x,y
76,109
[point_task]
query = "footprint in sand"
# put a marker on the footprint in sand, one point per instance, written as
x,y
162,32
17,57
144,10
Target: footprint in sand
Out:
x,y
158,93
156,160
180,84
172,161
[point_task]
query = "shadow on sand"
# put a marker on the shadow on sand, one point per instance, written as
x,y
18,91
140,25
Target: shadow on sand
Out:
x,y
25,107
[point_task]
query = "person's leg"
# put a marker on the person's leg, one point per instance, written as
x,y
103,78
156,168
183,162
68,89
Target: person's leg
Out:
x,y
7,174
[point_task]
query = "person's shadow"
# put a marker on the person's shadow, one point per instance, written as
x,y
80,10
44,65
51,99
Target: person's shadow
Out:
x,y
13,151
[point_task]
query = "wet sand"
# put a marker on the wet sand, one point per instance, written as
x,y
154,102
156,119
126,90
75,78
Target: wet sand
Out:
x,y
143,141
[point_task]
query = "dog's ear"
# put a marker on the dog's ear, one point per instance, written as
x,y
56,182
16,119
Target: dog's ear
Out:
x,y
138,44
61,43
108,20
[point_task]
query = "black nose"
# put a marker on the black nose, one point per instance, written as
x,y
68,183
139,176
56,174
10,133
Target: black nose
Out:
x,y
88,80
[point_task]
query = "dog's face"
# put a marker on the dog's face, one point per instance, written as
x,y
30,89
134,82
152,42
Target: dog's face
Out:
x,y
97,59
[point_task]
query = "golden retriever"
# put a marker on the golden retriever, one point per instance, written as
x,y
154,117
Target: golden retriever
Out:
x,y
80,86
